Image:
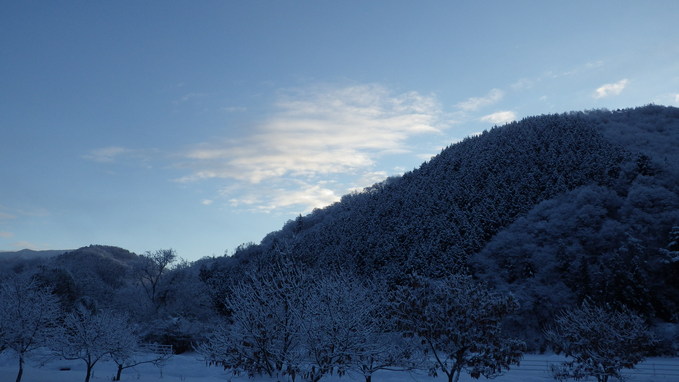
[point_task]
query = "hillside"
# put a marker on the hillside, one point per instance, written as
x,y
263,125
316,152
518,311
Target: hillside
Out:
x,y
440,214
554,208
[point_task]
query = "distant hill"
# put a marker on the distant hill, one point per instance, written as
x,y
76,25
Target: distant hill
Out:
x,y
29,254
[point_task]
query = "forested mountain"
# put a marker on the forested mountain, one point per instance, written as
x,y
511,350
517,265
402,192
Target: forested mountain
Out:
x,y
552,210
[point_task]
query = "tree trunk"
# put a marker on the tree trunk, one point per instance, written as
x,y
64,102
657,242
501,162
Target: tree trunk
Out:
x,y
21,367
88,374
120,371
369,378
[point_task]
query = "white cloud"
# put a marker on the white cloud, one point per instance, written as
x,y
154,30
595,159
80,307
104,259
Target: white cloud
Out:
x,y
314,134
304,197
676,98
207,202
312,196
317,132
6,235
368,179
499,117
613,89
475,103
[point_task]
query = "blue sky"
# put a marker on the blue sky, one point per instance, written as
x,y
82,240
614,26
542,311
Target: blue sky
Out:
x,y
200,125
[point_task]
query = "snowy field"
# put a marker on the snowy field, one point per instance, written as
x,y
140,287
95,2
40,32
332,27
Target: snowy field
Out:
x,y
188,367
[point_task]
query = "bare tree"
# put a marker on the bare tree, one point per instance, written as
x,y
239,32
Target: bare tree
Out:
x,y
150,270
132,354
27,316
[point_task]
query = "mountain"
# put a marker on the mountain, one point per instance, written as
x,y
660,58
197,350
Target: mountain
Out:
x,y
447,210
29,254
554,209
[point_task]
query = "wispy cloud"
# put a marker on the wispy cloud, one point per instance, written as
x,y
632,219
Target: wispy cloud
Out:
x,y
499,117
555,74
475,103
370,178
190,97
315,133
613,89
124,155
6,213
6,216
290,194
235,109
6,235
106,154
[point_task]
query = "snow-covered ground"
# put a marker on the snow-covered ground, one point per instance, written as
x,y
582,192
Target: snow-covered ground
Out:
x,y
188,367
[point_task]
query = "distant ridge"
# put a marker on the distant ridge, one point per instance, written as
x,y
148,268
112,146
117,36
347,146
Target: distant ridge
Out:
x,y
29,254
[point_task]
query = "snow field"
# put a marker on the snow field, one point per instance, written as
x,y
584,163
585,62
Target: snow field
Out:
x,y
189,367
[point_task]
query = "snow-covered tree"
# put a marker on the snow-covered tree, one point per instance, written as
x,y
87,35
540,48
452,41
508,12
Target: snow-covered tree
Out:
x,y
458,323
28,314
672,250
342,327
94,336
264,332
600,342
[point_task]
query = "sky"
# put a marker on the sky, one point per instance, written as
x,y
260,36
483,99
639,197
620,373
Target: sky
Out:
x,y
202,125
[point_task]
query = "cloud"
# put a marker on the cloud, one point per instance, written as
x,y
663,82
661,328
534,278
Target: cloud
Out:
x,y
6,235
311,196
190,97
475,103
368,179
304,197
314,134
235,109
106,154
320,131
524,83
676,98
123,155
6,216
613,89
499,117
